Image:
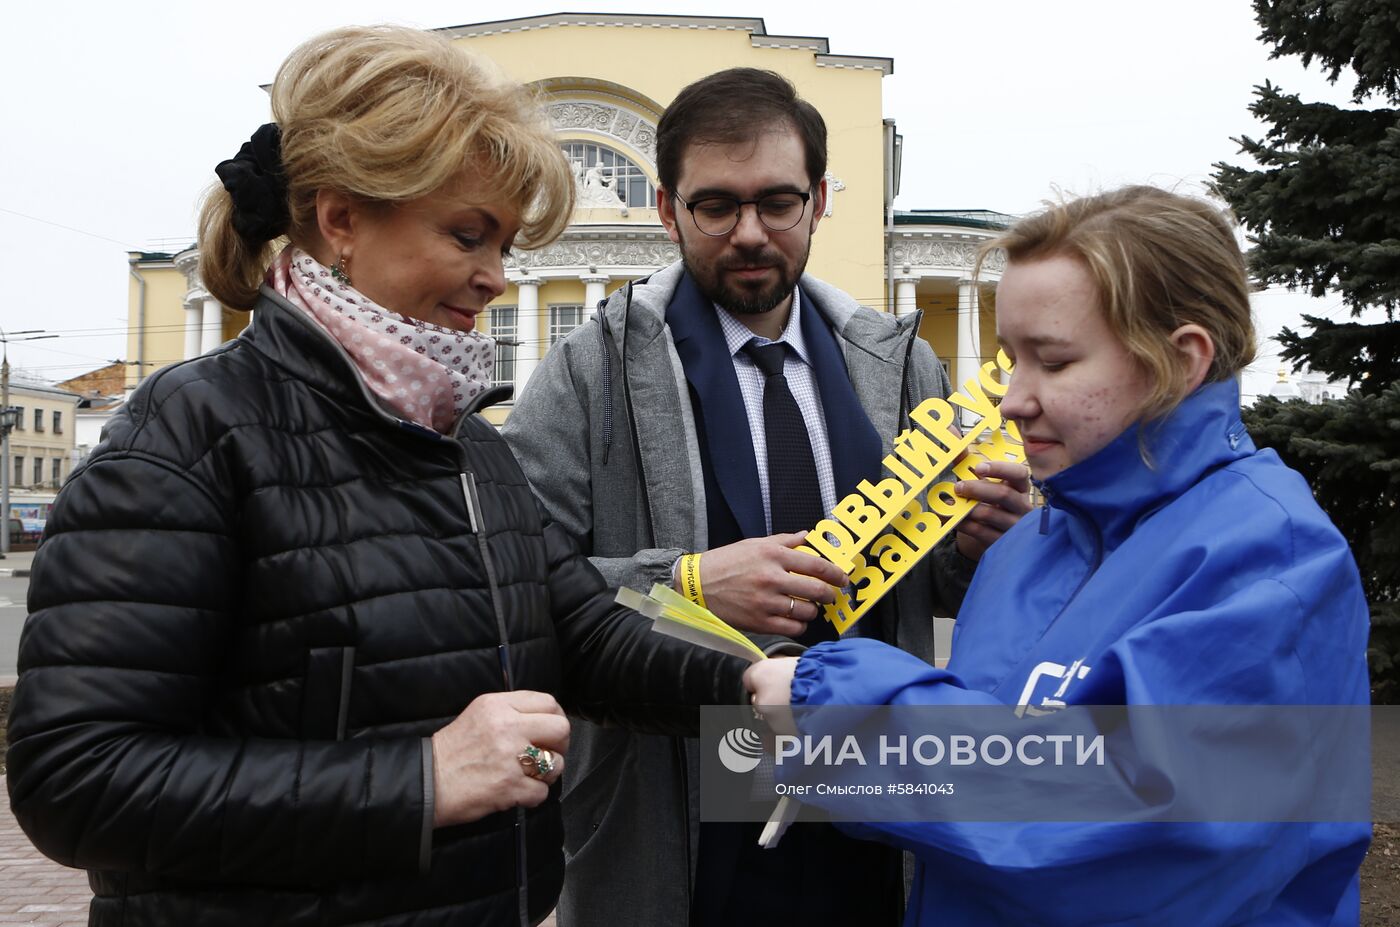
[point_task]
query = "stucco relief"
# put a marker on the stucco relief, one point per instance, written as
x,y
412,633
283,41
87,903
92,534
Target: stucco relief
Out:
x,y
656,254
942,254
607,120
645,140
592,116
624,124
834,185
187,263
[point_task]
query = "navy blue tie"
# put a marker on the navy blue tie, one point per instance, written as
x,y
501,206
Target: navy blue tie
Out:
x,y
794,495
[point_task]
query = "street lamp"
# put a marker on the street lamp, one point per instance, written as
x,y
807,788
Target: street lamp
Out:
x,y
9,418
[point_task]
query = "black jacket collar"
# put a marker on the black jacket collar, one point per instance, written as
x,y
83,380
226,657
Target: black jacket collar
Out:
x,y
288,337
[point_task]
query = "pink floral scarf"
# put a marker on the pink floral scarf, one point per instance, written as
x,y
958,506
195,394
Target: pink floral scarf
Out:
x,y
423,372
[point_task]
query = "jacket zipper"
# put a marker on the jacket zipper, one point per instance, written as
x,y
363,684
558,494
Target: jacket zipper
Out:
x,y
907,400
473,503
1097,559
474,520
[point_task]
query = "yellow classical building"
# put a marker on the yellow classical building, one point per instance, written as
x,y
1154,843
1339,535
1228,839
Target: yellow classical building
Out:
x,y
606,78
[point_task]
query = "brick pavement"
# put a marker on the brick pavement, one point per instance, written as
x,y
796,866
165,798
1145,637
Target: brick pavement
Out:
x,y
33,889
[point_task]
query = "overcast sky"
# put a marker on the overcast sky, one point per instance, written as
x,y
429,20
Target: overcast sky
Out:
x,y
114,122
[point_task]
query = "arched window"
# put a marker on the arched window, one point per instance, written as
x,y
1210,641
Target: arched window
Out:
x,y
628,181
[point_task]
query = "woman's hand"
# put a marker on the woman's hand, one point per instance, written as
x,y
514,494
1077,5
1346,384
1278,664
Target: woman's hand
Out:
x,y
770,682
1002,505
770,686
476,757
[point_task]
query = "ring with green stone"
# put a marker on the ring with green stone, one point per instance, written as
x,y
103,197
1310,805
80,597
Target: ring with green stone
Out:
x,y
536,761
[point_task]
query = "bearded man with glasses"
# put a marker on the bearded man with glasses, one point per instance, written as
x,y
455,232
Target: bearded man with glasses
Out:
x,y
721,407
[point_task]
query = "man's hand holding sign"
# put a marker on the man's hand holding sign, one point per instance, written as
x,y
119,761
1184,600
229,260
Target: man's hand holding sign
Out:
x,y
874,536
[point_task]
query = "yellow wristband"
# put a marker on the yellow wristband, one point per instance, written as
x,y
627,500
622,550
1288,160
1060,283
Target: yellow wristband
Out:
x,y
690,579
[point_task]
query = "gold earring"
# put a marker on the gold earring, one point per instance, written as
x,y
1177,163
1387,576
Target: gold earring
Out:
x,y
341,269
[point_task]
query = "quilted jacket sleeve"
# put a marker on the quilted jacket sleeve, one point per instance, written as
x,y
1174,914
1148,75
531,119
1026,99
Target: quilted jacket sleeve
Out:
x,y
110,766
616,669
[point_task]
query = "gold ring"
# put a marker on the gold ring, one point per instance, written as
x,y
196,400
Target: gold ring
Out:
x,y
792,603
536,762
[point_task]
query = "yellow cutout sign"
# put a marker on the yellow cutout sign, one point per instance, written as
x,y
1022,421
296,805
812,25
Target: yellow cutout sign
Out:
x,y
877,533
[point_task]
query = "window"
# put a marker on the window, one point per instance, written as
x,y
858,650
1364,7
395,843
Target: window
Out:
x,y
38,471
19,420
19,470
503,329
627,180
562,320
57,469
58,423
38,421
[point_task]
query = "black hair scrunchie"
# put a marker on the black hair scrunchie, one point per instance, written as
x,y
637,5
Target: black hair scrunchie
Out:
x,y
254,180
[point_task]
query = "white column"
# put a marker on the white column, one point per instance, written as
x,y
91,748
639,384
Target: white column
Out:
x,y
213,329
194,318
527,331
594,289
968,358
904,295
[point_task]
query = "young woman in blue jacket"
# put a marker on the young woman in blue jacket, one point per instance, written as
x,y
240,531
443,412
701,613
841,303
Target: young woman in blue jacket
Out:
x,y
1174,564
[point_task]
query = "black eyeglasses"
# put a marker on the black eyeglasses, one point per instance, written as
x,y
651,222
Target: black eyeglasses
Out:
x,y
717,215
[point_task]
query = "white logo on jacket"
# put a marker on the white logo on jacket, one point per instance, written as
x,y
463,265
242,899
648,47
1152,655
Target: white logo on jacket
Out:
x,y
1049,670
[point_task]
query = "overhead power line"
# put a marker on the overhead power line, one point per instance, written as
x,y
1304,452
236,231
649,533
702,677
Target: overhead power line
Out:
x,y
68,228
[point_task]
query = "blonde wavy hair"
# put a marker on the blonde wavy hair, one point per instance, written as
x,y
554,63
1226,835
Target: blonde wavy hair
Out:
x,y
387,115
1159,260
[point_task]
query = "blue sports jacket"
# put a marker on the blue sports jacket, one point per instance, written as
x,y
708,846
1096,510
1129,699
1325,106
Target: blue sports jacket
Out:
x,y
1209,577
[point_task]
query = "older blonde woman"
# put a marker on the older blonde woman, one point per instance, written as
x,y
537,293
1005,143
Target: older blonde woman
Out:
x,y
299,628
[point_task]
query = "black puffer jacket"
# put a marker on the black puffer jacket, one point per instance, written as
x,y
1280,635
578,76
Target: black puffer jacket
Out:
x,y
256,601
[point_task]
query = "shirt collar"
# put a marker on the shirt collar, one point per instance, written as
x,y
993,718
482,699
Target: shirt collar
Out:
x,y
737,334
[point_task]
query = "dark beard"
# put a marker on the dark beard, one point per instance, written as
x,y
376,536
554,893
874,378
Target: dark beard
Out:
x,y
740,300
